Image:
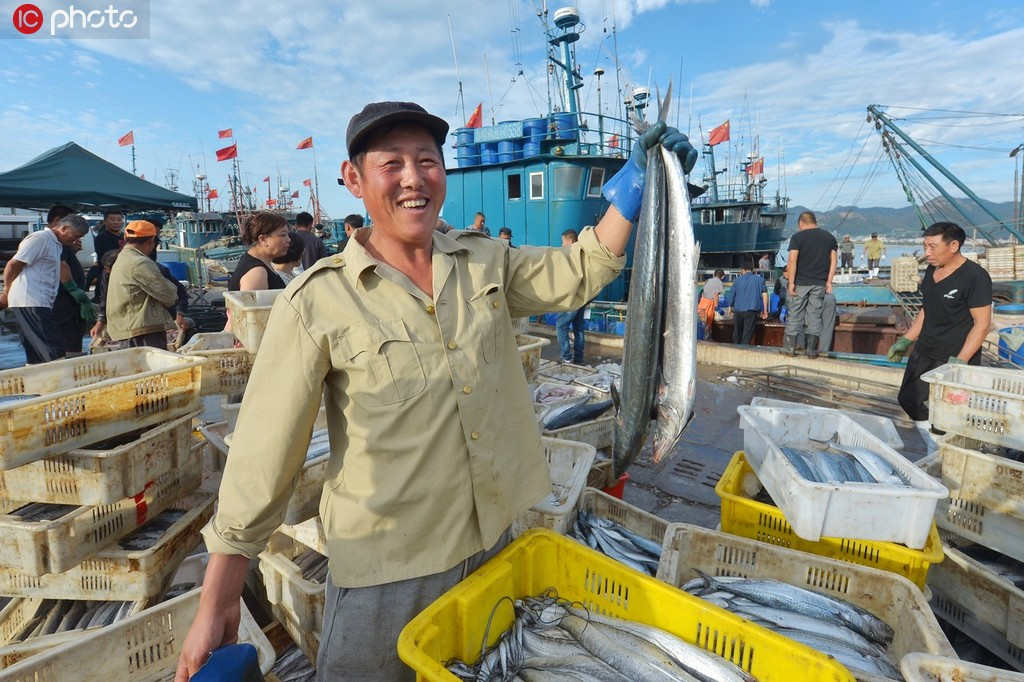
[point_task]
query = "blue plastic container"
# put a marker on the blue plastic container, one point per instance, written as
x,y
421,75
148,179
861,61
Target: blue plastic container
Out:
x,y
535,129
564,126
517,149
1010,309
506,151
700,330
466,160
531,149
773,303
178,269
1005,352
550,318
489,153
464,137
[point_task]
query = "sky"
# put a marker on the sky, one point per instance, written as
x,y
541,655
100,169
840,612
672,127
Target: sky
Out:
x,y
796,75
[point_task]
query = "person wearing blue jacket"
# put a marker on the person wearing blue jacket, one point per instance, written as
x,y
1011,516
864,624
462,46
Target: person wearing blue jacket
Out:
x,y
747,297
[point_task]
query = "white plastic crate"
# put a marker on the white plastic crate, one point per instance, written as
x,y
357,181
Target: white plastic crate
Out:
x,y
296,602
225,371
141,648
307,487
986,403
566,393
993,481
631,518
892,598
565,373
310,533
529,352
84,400
918,667
39,547
878,425
903,276
568,464
598,432
847,510
116,573
15,615
249,312
102,473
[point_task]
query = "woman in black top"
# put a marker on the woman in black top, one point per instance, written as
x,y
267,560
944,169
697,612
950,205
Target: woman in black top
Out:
x,y
267,237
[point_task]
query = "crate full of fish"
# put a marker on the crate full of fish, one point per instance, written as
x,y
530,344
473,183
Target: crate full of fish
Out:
x,y
140,648
748,511
919,667
979,591
606,620
981,472
866,618
133,568
985,403
38,538
308,485
569,465
225,368
248,313
619,530
530,348
57,622
831,477
104,472
579,418
295,578
883,427
54,407
292,665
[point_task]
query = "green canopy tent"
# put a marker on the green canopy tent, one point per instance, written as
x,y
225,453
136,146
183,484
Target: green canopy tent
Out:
x,y
76,177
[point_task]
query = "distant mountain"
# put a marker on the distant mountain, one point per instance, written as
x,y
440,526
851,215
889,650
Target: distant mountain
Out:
x,y
902,222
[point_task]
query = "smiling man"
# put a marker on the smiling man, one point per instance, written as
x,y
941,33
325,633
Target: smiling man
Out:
x,y
954,319
407,338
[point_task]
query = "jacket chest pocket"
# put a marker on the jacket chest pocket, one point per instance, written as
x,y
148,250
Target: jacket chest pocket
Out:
x,y
382,363
487,313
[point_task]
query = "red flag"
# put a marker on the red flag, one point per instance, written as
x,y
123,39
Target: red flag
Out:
x,y
307,182
271,202
476,119
719,134
266,179
212,194
756,167
306,144
295,194
126,139
227,153
142,177
614,141
225,133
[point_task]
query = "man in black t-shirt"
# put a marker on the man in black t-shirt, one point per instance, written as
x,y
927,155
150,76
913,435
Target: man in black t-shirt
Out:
x,y
313,248
810,269
953,321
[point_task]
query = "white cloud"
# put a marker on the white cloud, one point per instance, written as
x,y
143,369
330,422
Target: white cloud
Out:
x,y
86,61
761,3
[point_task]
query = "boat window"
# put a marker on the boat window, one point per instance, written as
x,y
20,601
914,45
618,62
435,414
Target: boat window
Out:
x,y
514,185
719,215
705,216
596,180
537,185
567,180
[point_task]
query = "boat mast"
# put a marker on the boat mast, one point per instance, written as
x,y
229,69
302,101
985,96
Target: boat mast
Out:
x,y
566,20
451,38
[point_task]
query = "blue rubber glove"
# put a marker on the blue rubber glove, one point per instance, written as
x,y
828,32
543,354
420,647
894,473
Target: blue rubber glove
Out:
x,y
231,663
626,188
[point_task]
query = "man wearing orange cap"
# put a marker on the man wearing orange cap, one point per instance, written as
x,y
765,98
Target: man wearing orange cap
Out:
x,y
138,294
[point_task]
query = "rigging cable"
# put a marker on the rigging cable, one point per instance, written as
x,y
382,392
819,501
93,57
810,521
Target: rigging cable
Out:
x,y
839,168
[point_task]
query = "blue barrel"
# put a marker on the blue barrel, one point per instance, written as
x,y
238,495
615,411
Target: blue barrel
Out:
x,y
535,129
564,126
506,151
515,120
531,149
465,158
517,149
489,153
177,269
464,137
1007,351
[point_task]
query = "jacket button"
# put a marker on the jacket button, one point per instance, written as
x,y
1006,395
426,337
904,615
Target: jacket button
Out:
x,y
474,435
430,309
467,389
452,345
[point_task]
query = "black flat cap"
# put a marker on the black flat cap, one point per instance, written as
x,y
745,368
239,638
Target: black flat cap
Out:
x,y
376,114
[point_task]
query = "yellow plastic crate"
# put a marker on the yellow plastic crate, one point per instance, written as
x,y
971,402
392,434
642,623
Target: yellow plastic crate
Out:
x,y
453,626
746,517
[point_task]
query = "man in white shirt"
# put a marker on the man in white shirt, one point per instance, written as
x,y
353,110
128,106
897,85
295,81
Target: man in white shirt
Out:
x,y
31,279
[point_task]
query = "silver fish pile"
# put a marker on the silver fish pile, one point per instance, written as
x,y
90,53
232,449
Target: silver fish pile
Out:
x,y
661,328
617,542
148,534
319,444
551,639
848,633
613,368
313,566
843,464
1000,564
42,511
65,615
602,381
293,666
569,414
551,394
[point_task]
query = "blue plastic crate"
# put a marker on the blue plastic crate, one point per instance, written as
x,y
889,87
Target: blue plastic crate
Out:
x,y
550,318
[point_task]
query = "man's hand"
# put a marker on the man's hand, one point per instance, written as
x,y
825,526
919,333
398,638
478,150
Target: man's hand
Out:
x,y
955,360
898,349
828,287
3,301
625,189
211,629
764,314
97,329
179,320
791,288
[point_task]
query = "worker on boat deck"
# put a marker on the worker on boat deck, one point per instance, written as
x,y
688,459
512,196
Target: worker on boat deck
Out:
x,y
73,312
809,271
956,311
138,294
108,238
478,224
313,248
506,234
31,280
748,296
874,249
846,253
407,339
571,321
708,304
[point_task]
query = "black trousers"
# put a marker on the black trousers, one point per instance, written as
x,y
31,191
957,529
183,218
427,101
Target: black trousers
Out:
x,y
913,395
743,324
38,334
69,333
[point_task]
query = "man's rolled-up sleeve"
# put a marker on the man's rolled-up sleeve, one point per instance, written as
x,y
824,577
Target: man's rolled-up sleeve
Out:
x,y
544,279
268,447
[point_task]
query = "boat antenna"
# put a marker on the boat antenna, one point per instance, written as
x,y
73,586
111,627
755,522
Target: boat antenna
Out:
x,y
679,96
618,68
490,94
461,103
